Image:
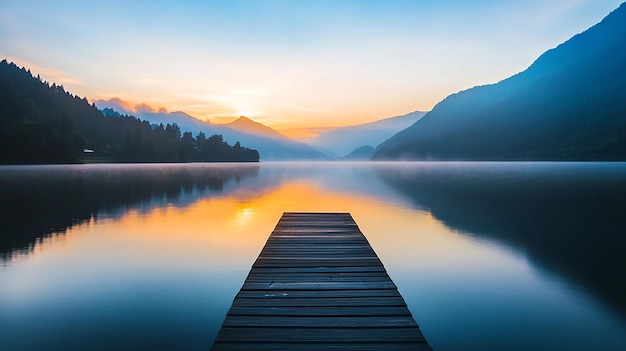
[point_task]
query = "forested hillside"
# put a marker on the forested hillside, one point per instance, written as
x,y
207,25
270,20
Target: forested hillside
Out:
x,y
42,123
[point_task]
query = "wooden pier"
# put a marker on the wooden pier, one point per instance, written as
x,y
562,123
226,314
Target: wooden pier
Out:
x,y
318,285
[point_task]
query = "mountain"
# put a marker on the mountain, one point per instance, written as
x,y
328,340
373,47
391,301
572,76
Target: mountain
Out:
x,y
110,112
362,153
570,104
248,126
344,140
185,121
273,149
272,145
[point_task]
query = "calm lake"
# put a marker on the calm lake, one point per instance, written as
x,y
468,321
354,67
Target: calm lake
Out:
x,y
488,256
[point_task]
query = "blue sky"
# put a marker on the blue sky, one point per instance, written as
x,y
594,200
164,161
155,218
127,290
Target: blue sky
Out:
x,y
293,65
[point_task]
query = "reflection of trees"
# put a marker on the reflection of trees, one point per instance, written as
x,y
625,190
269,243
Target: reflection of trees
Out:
x,y
566,218
37,202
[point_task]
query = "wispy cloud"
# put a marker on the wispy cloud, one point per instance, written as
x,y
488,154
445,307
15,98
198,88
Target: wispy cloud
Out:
x,y
559,9
46,73
127,107
303,133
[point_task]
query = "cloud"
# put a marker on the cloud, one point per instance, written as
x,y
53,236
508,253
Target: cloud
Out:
x,y
48,74
127,107
143,107
303,133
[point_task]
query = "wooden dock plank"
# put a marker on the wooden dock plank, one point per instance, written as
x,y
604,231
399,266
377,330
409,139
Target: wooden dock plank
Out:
x,y
320,302
318,311
370,346
320,270
316,278
318,285
336,322
312,335
285,294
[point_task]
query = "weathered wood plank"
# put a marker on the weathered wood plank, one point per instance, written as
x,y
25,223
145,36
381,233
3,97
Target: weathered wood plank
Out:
x,y
339,322
370,346
318,285
321,277
285,294
319,311
273,254
315,276
266,263
320,270
321,302
302,334
283,278
317,242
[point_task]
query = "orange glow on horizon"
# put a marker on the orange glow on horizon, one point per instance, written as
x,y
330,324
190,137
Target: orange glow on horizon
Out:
x,y
300,126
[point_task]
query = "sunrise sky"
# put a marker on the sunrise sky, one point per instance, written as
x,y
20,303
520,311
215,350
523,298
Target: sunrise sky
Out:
x,y
292,65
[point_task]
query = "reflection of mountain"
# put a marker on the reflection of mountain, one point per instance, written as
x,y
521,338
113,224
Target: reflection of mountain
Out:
x,y
570,104
41,201
272,145
567,218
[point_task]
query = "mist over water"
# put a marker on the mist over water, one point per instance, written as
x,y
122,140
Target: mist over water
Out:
x,y
488,256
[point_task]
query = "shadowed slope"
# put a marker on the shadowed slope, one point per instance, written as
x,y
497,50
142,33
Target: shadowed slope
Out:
x,y
569,105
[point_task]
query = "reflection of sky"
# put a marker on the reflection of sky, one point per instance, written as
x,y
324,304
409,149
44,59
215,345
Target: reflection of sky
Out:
x,y
164,276
324,175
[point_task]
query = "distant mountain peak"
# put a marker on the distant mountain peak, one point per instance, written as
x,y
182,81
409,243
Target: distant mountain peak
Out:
x,y
110,112
246,125
343,140
243,119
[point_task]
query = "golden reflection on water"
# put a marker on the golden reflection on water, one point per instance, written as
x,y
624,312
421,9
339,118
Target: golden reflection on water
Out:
x,y
226,232
229,231
191,255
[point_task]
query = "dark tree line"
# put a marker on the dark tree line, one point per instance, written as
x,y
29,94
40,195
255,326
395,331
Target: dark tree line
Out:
x,y
42,123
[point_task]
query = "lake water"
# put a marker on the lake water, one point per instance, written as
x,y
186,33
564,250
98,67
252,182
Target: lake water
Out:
x,y
488,256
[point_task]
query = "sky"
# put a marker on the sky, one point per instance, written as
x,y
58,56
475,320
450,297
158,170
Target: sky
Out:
x,y
296,66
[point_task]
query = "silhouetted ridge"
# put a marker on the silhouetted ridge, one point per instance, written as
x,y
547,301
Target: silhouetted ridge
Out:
x,y
271,145
42,123
570,104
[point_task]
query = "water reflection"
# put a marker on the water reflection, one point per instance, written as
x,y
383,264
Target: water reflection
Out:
x,y
567,218
39,201
154,254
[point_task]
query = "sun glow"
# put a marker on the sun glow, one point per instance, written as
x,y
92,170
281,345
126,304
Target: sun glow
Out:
x,y
245,110
246,113
244,216
291,61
